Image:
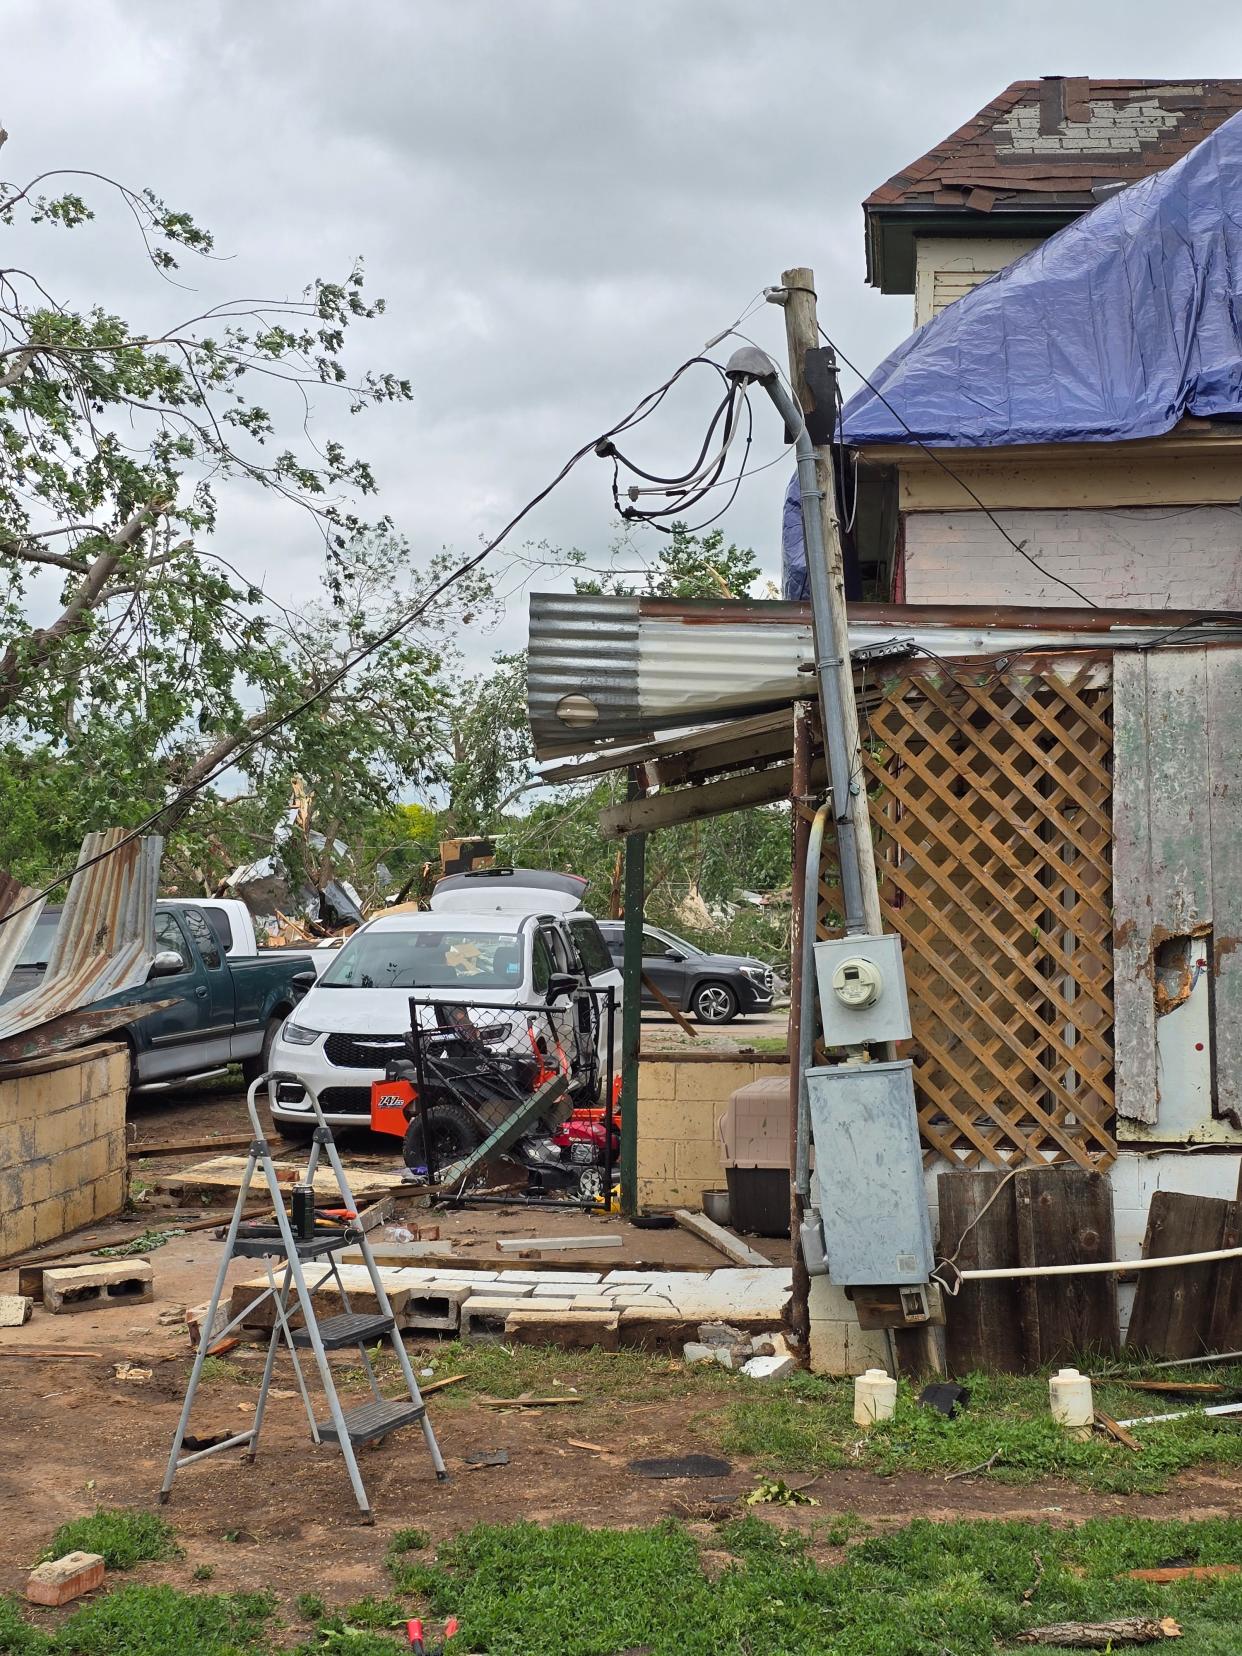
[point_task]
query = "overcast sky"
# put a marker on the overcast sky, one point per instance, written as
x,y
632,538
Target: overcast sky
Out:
x,y
560,199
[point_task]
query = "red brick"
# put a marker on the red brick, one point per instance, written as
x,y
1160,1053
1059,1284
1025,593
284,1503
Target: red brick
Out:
x,y
65,1578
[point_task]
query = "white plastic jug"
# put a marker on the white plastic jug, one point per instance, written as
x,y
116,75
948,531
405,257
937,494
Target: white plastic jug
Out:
x,y
1069,1394
875,1397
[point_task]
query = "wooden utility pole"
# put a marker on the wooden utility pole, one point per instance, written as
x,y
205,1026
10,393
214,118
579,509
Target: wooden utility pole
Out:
x,y
801,336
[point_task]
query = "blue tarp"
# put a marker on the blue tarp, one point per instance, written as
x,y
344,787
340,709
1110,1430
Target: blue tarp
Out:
x,y
794,582
1114,328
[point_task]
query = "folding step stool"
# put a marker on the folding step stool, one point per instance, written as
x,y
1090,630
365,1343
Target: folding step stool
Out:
x,y
346,1428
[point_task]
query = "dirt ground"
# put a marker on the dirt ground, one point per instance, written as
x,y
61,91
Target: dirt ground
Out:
x,y
74,1436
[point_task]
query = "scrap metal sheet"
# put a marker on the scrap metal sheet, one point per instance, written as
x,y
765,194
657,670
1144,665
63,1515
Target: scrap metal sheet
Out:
x,y
105,941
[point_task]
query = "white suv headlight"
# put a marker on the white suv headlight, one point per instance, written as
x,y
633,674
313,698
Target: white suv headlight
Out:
x,y
299,1035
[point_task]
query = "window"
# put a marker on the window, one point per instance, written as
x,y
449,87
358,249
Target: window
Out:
x,y
208,942
591,946
442,959
541,965
218,919
653,945
562,959
169,938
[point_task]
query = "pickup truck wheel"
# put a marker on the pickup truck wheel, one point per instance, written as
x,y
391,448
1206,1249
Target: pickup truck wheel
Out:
x,y
714,1003
453,1135
252,1068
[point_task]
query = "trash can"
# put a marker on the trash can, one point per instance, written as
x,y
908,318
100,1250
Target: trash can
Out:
x,y
754,1130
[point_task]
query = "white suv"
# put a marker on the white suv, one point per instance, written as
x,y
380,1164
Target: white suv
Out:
x,y
512,946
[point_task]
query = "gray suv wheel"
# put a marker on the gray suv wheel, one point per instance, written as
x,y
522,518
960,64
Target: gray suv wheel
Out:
x,y
715,1003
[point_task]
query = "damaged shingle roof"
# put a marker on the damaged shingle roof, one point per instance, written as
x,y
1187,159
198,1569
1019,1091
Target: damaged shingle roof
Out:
x,y
1044,149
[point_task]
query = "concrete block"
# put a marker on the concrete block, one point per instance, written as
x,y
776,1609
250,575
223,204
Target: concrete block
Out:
x,y
712,1083
574,1330
15,1309
550,1279
657,1083
656,1328
65,1578
694,1352
110,1193
769,1368
50,1221
98,1287
699,1162
483,1316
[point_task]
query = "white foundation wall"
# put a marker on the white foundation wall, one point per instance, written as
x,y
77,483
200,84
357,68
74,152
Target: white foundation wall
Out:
x,y
1183,557
1135,1177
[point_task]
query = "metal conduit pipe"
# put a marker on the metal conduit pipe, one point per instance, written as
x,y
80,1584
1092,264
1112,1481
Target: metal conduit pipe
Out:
x,y
806,1002
1101,1267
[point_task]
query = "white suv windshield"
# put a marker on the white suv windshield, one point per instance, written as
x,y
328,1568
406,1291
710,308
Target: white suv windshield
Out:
x,y
441,959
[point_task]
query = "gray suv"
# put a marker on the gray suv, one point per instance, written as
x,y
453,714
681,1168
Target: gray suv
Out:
x,y
715,987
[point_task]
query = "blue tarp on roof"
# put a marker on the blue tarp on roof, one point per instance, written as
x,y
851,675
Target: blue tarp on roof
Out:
x,y
1114,328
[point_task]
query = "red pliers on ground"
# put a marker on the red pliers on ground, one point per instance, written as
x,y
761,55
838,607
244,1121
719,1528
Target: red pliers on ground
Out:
x,y
414,1633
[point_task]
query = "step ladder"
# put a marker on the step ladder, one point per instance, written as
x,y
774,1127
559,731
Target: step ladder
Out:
x,y
290,1291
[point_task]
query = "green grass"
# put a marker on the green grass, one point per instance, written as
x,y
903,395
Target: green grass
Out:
x,y
520,1590
219,1368
806,1425
148,1621
565,1590
122,1539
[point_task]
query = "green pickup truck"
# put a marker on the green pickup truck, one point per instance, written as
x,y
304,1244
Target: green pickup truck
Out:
x,y
228,1007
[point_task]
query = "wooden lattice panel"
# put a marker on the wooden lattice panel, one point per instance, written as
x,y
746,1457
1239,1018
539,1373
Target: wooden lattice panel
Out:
x,y
991,813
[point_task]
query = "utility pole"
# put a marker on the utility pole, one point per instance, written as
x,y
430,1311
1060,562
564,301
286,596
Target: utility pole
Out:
x,y
801,336
631,1006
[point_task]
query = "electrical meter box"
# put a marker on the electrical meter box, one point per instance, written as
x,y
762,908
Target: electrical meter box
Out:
x,y
862,990
869,1173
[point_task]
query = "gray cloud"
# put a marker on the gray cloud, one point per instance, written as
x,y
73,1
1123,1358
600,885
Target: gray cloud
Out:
x,y
560,200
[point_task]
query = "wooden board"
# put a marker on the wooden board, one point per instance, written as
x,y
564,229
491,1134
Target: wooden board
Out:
x,y
724,1241
1173,1308
222,1177
1225,1327
1065,1217
982,1328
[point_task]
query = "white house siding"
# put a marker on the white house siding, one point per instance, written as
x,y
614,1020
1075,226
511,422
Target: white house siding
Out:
x,y
1187,557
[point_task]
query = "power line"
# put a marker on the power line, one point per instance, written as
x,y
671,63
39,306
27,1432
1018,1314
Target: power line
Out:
x,y
642,410
1018,546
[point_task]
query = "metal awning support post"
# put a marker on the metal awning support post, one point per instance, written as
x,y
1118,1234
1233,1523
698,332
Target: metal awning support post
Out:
x,y
631,1008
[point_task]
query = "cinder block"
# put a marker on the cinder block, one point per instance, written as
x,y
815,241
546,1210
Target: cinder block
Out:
x,y
713,1083
656,1081
483,1316
656,1328
111,1193
65,1578
16,1231
15,1309
549,1279
49,1219
98,1287
57,1131
45,1176
700,1160
573,1330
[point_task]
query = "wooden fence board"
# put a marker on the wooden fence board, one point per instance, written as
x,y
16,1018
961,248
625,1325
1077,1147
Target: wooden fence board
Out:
x,y
1173,1308
1065,1217
981,1321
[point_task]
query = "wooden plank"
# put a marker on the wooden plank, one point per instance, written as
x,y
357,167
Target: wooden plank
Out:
x,y
724,1241
1225,1326
981,1320
178,1147
1224,728
222,1176
556,1244
1173,1308
705,799
663,1001
1065,1217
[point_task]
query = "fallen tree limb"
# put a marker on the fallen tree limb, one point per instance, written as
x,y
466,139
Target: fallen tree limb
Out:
x,y
1130,1630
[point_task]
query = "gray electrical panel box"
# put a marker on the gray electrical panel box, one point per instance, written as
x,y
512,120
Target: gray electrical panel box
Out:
x,y
862,990
869,1171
